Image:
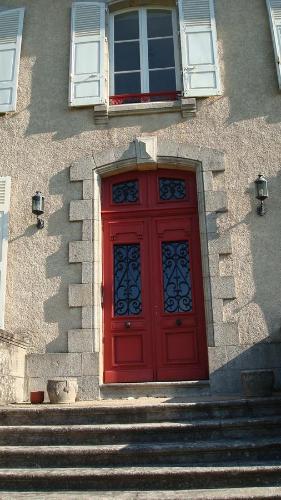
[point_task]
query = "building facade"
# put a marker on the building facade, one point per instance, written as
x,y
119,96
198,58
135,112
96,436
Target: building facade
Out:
x,y
145,126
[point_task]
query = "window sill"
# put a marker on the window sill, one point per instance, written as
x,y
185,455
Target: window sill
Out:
x,y
186,106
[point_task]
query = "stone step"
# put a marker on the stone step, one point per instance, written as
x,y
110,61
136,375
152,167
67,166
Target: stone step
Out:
x,y
242,451
139,479
217,429
79,414
254,493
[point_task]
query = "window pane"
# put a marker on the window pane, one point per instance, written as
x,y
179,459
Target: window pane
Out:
x,y
127,280
127,83
126,56
172,189
161,53
126,26
125,192
159,23
162,81
176,276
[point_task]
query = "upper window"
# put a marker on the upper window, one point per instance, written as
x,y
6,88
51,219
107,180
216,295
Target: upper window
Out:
x,y
144,54
145,61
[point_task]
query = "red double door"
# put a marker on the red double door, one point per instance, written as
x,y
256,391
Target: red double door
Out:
x,y
154,325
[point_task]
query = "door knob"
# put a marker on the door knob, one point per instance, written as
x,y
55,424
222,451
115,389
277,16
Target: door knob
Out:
x,y
178,322
127,324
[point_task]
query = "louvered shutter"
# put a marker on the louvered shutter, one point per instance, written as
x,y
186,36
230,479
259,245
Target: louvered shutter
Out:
x,y
11,24
5,188
274,10
199,48
87,72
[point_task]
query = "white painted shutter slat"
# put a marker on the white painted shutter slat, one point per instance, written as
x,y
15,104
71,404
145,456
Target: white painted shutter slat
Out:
x,y
5,189
198,34
274,11
87,64
11,25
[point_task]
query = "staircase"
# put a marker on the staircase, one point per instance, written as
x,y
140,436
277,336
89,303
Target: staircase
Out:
x,y
211,449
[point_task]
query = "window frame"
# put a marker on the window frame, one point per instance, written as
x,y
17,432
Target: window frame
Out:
x,y
143,44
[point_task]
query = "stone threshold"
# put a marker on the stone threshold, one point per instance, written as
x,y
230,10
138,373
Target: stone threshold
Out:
x,y
154,389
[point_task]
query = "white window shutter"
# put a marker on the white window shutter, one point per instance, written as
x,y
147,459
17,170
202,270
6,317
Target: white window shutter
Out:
x,y
87,65
199,48
274,10
11,24
5,189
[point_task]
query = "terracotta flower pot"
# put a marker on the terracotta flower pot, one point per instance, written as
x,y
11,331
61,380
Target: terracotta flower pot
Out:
x,y
37,397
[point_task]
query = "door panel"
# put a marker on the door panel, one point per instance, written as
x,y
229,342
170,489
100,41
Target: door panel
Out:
x,y
127,346
153,296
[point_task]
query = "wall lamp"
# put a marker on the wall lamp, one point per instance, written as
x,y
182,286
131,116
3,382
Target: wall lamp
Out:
x,y
261,193
38,208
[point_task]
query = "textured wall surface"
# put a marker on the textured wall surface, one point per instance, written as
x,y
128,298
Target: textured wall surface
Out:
x,y
40,140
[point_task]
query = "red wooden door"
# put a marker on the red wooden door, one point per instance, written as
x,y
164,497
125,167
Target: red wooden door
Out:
x,y
154,325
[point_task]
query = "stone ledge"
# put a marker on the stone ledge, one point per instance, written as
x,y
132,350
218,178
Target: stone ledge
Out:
x,y
186,106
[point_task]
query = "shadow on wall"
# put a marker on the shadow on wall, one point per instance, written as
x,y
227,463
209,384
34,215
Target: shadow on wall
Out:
x,y
56,309
263,355
250,78
265,245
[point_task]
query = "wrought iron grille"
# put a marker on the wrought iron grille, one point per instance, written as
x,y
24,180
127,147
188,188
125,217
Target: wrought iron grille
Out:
x,y
176,276
125,192
172,189
127,280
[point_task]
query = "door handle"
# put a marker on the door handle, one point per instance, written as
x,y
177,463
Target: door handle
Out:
x,y
178,322
127,324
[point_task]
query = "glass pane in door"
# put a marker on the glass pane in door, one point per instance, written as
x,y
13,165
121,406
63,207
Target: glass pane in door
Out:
x,y
127,280
176,277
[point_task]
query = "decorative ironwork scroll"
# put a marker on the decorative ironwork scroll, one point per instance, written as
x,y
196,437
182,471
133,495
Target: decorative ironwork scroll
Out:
x,y
125,192
176,276
127,280
172,189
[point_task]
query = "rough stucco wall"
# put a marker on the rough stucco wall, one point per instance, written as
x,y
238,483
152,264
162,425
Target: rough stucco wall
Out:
x,y
43,137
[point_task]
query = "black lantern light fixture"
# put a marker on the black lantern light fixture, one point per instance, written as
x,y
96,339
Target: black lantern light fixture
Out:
x,y
261,193
38,208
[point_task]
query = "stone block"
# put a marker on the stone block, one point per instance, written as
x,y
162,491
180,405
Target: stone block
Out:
x,y
211,224
88,388
216,201
87,317
87,230
87,272
90,364
82,169
212,160
217,305
226,334
223,287
80,210
87,190
217,358
80,295
214,265
221,244
52,365
104,157
187,151
80,251
208,181
225,382
80,341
